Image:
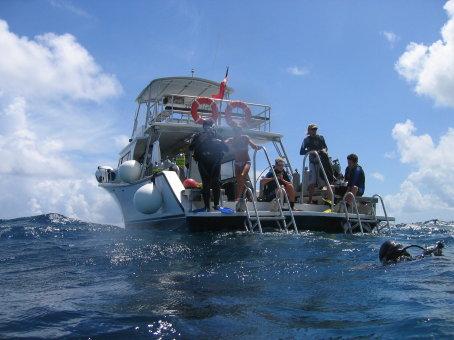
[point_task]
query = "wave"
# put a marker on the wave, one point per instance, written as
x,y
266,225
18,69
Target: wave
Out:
x,y
47,225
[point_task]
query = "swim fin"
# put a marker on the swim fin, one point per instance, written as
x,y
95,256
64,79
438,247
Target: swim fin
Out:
x,y
225,210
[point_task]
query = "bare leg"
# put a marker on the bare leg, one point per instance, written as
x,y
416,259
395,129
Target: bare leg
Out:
x,y
354,191
241,175
290,192
311,189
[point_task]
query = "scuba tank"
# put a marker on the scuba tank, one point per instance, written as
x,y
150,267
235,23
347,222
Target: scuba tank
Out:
x,y
296,180
337,168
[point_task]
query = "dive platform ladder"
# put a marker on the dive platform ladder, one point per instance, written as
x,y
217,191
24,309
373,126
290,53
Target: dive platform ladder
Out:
x,y
252,222
388,225
348,225
279,218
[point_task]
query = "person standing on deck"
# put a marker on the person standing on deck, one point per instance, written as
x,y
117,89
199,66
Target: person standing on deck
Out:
x,y
239,144
315,142
208,153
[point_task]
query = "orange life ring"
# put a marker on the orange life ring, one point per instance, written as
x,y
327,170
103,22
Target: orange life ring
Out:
x,y
204,101
246,110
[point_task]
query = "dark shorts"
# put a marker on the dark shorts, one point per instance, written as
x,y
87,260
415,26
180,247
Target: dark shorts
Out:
x,y
341,190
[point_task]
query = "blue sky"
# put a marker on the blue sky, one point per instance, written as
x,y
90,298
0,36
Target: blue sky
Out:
x,y
340,64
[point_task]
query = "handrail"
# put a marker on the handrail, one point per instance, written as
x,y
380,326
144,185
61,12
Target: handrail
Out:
x,y
348,193
313,152
384,211
257,179
251,228
216,99
277,186
278,146
261,114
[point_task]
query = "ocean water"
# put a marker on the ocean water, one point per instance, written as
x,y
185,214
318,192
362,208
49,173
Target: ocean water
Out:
x,y
61,277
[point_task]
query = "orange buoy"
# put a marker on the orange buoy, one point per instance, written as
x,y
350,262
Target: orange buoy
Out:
x,y
204,101
246,111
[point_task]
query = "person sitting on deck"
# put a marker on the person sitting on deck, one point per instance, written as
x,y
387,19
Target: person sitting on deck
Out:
x,y
208,153
315,142
270,190
239,144
355,177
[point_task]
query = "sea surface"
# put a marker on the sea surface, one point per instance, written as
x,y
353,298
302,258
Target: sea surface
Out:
x,y
61,277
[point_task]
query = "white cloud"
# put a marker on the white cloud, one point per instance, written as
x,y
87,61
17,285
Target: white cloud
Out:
x,y
431,68
54,128
391,37
68,6
390,154
429,188
378,176
21,151
73,197
297,70
51,66
121,141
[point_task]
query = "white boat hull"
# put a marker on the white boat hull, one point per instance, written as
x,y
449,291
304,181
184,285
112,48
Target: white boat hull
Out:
x,y
176,211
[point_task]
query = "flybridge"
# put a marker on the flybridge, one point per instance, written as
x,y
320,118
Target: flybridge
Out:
x,y
173,100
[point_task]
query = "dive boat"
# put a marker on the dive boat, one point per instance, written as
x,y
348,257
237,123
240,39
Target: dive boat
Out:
x,y
148,181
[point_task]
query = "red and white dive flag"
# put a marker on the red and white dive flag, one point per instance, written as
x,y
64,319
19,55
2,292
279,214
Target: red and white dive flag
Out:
x,y
222,87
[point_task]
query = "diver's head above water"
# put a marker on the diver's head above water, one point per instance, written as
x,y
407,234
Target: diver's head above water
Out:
x,y
391,252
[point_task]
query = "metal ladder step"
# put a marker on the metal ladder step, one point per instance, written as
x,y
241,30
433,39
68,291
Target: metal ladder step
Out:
x,y
268,218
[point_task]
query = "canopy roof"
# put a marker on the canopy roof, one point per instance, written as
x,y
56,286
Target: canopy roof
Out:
x,y
188,86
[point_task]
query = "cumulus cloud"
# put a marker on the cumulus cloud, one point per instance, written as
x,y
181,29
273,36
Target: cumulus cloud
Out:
x,y
51,66
391,37
430,68
21,152
390,154
297,70
53,128
378,176
429,188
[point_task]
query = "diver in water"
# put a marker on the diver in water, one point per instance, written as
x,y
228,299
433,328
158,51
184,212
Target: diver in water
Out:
x,y
392,252
208,153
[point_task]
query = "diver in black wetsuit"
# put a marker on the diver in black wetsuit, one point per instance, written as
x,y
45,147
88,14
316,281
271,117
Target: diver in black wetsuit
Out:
x,y
208,153
392,252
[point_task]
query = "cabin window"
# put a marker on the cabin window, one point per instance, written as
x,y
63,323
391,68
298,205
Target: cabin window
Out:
x,y
124,158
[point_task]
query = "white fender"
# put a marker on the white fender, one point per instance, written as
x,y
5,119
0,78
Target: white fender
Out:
x,y
129,171
147,199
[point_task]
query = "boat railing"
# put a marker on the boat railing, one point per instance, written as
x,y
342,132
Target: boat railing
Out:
x,y
355,206
330,189
281,189
250,226
177,109
384,211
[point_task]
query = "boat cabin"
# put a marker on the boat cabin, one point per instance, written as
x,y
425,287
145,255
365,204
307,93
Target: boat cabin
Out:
x,y
164,126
